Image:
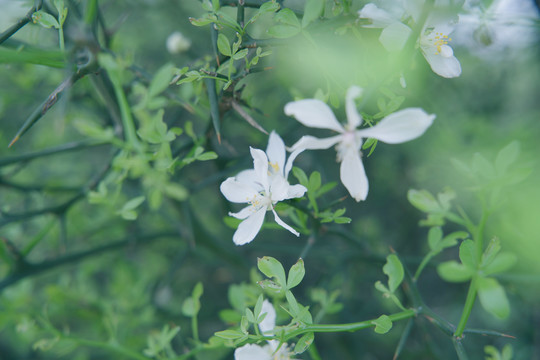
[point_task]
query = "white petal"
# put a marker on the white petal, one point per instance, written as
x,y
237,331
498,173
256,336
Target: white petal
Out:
x,y
353,117
380,18
248,229
447,67
278,188
249,177
244,213
295,191
276,151
290,160
269,322
394,36
281,223
313,113
237,192
414,8
308,142
252,352
353,175
260,165
401,126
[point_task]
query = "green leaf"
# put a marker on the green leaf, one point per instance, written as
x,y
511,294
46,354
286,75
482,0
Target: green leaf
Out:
x,y
482,166
501,263
205,20
230,334
381,287
176,191
133,203
434,237
296,274
258,306
452,271
493,297
423,200
301,176
223,45
314,181
383,324
283,31
467,254
293,304
394,270
506,157
241,54
304,343
287,17
491,251
272,268
312,10
161,80
44,19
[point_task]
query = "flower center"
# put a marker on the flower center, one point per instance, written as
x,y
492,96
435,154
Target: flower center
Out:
x,y
348,140
260,201
274,168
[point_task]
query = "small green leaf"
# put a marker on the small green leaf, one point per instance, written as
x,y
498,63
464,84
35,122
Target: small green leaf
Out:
x,y
394,270
133,203
381,287
175,191
314,181
501,263
241,54
312,10
493,297
296,274
467,254
223,45
452,271
283,31
301,176
482,166
434,237
304,343
506,157
423,200
272,268
230,334
288,17
383,324
491,251
293,304
258,306
161,80
44,19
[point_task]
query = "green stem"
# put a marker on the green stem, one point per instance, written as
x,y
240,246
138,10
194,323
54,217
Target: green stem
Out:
x,y
422,265
314,353
325,328
127,118
469,302
195,328
479,236
61,38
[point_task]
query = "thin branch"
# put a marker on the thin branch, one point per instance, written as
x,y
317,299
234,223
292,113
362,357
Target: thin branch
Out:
x,y
22,22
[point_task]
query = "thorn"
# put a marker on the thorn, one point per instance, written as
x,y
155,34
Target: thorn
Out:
x,y
13,141
219,138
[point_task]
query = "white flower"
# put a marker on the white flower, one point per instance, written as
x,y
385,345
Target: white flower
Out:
x,y
177,43
268,351
398,127
433,41
261,188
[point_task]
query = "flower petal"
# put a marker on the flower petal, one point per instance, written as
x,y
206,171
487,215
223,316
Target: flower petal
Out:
x,y
278,188
308,142
295,191
251,352
269,322
244,213
447,67
400,126
237,192
281,223
313,113
394,36
353,117
353,175
276,151
249,228
260,165
290,160
380,18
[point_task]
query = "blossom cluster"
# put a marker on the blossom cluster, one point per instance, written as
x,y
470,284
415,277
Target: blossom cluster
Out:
x,y
266,184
